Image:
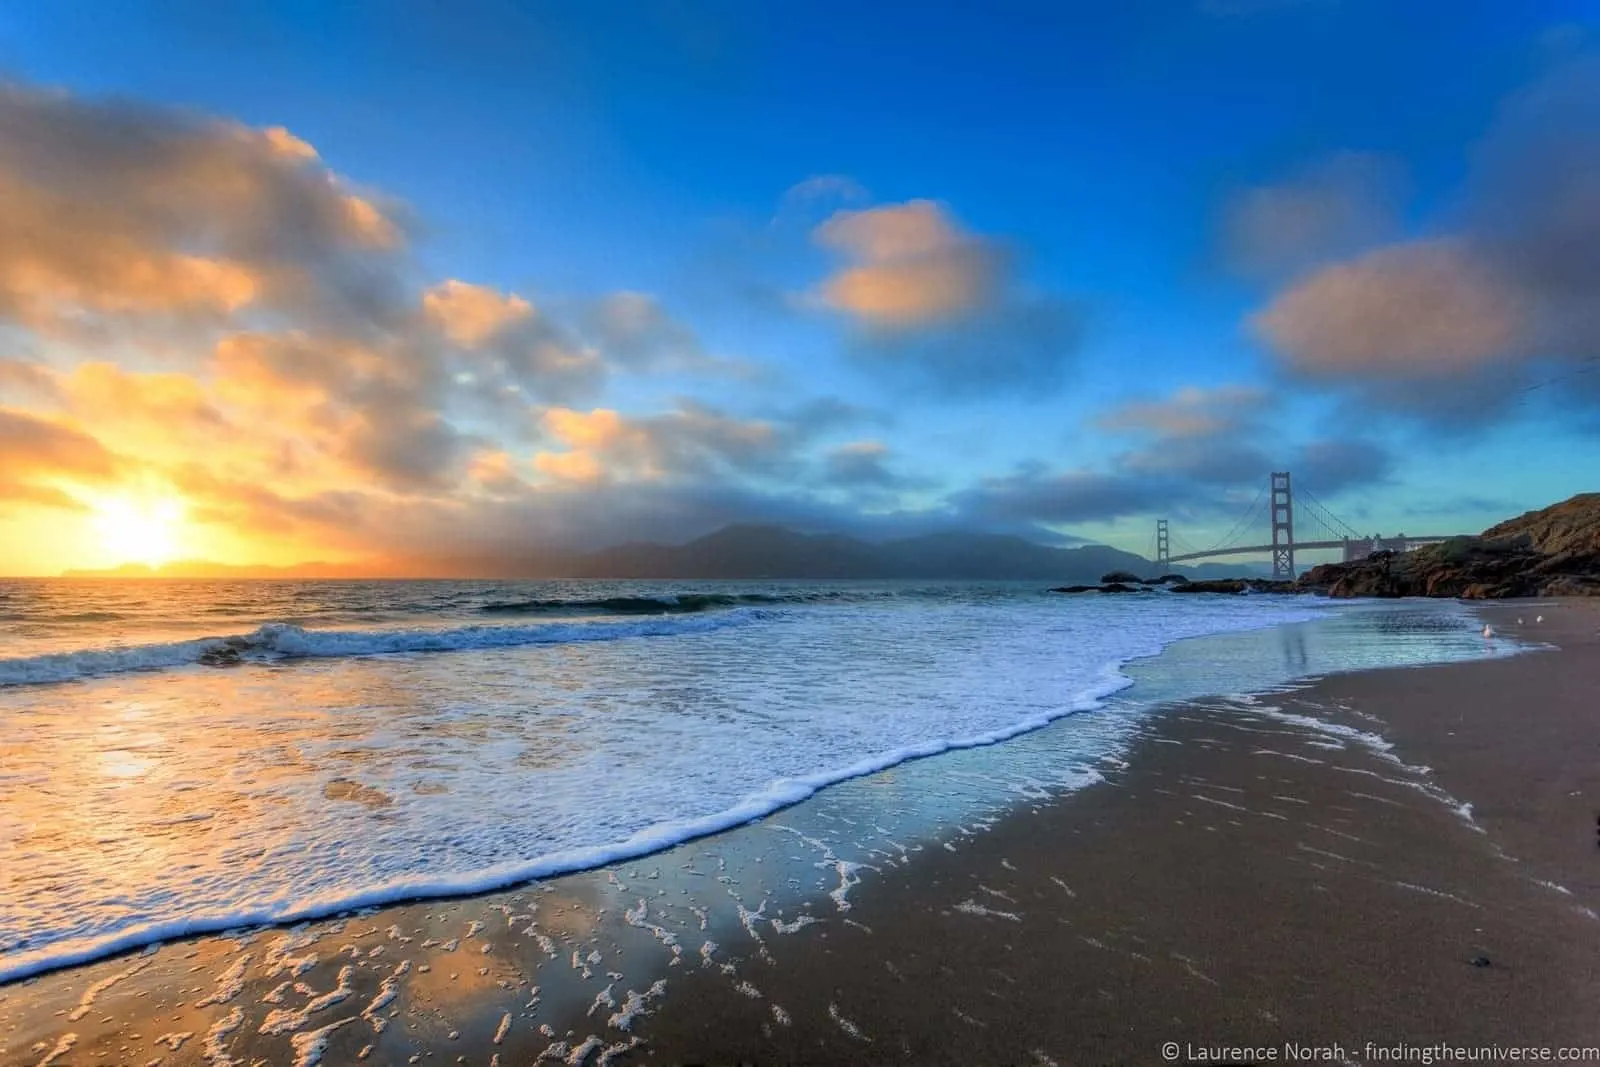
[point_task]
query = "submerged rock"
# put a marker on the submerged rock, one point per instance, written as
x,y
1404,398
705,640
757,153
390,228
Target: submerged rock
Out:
x,y
224,656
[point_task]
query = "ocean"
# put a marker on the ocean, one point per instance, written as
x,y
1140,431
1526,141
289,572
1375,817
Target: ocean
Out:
x,y
181,757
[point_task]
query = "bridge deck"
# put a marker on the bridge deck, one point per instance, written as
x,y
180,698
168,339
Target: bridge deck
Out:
x,y
1307,546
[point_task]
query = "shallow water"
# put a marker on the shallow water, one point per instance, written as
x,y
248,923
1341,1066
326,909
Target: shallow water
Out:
x,y
320,769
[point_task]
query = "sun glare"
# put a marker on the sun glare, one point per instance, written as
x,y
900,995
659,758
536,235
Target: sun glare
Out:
x,y
139,531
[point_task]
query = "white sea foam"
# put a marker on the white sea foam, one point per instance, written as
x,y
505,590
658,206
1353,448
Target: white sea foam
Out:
x,y
635,1005
845,1024
62,1047
215,1049
518,757
93,992
972,907
388,990
309,1047
282,1020
280,640
229,985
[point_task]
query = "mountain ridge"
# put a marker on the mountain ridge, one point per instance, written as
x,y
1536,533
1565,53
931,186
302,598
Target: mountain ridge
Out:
x,y
736,551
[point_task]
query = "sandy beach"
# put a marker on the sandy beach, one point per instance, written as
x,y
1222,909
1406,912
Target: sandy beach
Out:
x,y
1395,856
1251,879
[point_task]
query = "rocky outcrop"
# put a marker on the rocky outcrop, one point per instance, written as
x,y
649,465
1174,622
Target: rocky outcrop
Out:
x,y
1566,534
1119,578
1551,552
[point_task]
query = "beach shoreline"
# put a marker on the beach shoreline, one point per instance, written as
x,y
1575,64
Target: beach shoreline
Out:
x,y
1099,973
1265,873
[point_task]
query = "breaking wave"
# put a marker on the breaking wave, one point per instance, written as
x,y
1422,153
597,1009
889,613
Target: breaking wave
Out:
x,y
281,640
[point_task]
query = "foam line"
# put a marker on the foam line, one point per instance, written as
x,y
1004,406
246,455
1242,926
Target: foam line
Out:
x,y
780,794
281,640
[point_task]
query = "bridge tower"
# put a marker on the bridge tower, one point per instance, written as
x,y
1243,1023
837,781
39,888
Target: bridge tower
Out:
x,y
1282,526
1163,553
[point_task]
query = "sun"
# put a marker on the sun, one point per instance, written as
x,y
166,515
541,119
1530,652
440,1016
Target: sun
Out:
x,y
133,530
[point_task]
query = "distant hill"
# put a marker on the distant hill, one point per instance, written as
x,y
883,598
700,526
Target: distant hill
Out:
x,y
776,552
735,552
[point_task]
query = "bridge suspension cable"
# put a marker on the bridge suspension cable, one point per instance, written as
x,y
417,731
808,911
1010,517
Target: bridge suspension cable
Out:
x,y
1239,528
1184,548
1324,518
1314,528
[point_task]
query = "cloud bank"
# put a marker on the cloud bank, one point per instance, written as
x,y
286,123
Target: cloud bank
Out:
x,y
1453,329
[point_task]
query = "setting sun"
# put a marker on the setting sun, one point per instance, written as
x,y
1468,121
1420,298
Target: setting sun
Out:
x,y
132,530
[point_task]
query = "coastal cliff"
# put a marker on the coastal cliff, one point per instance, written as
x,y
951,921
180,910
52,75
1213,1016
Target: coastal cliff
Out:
x,y
1554,551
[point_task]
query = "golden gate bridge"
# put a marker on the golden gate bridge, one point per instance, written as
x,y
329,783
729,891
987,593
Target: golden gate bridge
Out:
x,y
1284,513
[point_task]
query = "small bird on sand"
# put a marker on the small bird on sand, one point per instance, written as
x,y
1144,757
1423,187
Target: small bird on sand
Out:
x,y
1519,622
1539,619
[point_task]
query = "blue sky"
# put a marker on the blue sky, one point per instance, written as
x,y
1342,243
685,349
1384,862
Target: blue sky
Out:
x,y
1108,197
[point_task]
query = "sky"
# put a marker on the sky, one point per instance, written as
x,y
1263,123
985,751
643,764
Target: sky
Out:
x,y
421,280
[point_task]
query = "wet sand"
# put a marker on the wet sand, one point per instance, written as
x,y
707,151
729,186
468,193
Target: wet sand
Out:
x,y
1255,873
1248,880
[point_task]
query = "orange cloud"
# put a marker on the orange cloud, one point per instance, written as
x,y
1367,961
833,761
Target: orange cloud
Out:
x,y
288,145
25,380
30,444
46,277
580,467
1190,412
229,328
601,428
914,265
103,394
691,441
471,314
1427,309
495,471
40,496
118,211
42,460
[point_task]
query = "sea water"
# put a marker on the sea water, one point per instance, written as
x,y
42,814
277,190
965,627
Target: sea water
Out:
x,y
179,757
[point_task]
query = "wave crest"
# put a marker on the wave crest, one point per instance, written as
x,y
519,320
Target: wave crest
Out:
x,y
281,640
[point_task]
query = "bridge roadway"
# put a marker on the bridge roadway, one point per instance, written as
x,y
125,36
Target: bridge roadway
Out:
x,y
1354,548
